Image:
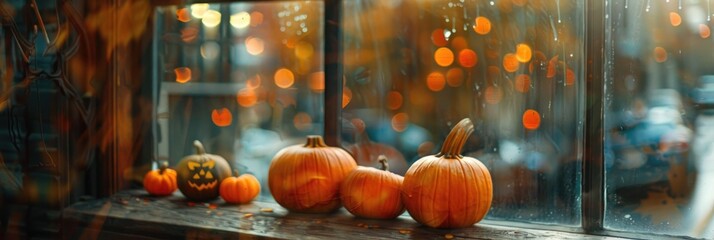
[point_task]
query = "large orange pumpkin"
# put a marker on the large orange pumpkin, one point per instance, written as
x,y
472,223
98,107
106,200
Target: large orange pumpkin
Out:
x,y
239,189
306,178
366,152
371,193
160,182
448,190
200,174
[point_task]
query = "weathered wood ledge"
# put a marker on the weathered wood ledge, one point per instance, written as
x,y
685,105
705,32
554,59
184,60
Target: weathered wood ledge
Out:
x,y
134,214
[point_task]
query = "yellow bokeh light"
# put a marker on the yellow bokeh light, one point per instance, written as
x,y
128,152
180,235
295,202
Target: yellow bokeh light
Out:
x,y
304,50
284,78
254,45
523,52
240,20
211,18
443,57
199,9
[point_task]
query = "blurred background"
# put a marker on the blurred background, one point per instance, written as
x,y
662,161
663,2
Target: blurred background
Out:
x,y
136,82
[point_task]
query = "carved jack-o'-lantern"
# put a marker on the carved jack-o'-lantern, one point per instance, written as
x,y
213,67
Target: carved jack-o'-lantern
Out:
x,y
200,175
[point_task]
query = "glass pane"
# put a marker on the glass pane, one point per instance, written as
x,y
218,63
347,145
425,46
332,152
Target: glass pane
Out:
x,y
415,68
659,112
246,79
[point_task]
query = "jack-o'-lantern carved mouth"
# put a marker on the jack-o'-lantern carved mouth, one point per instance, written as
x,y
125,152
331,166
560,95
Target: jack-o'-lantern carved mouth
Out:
x,y
203,186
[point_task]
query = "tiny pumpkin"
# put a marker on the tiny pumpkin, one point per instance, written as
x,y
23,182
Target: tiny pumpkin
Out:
x,y
306,178
162,181
199,175
239,189
365,151
372,193
448,190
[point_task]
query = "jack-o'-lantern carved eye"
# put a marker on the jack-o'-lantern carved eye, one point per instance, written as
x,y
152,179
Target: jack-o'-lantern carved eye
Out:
x,y
209,164
205,169
193,165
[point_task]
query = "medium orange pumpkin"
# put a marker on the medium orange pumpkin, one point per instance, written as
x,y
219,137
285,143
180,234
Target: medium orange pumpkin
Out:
x,y
239,189
162,181
371,193
366,152
448,190
306,178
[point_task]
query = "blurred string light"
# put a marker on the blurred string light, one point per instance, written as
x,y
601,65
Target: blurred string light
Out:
x,y
240,20
211,18
293,18
199,9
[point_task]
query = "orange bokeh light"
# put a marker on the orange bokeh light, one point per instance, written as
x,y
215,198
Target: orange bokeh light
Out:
x,y
459,43
443,57
254,45
183,15
675,19
435,81
394,100
400,121
454,77
531,119
510,62
660,55
468,58
253,82
317,81
222,117
284,78
704,31
302,121
183,74
188,34
304,50
552,66
523,83
569,77
523,52
482,25
256,18
438,38
246,97
493,95
346,96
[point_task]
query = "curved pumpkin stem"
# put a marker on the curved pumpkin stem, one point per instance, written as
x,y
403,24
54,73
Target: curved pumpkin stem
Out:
x,y
236,173
163,165
314,141
199,147
456,139
383,160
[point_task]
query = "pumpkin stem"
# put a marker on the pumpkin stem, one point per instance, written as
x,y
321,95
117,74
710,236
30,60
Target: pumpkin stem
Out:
x,y
236,173
314,141
163,165
199,147
383,160
456,139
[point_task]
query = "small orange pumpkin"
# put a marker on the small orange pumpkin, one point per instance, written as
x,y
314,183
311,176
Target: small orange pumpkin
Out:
x,y
306,178
162,181
239,189
371,193
365,151
448,190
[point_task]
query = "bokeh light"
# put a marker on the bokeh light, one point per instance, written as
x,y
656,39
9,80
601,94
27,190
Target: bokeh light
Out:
x,y
210,50
522,83
443,57
660,55
222,117
435,81
198,10
704,31
394,100
183,74
302,121
189,34
304,50
569,77
400,122
317,81
455,77
510,62
246,97
493,95
552,67
211,18
468,58
531,119
675,19
254,45
183,15
284,78
256,18
482,25
438,38
523,52
254,82
240,20
459,43
346,96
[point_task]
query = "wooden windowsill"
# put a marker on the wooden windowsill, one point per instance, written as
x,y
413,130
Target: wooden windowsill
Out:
x,y
134,214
